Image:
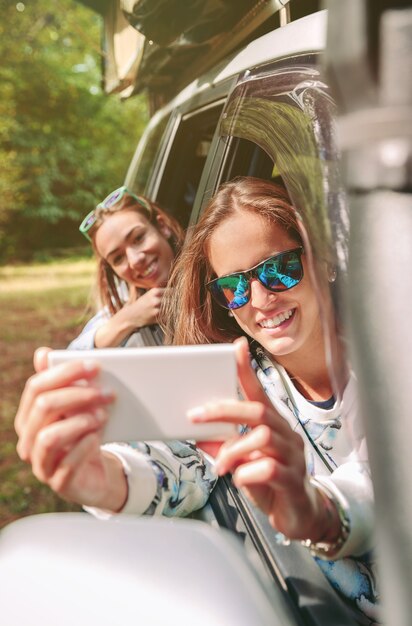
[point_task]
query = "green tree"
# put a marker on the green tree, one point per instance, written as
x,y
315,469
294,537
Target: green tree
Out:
x,y
64,144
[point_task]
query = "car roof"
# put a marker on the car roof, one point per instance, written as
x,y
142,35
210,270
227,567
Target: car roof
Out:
x,y
307,34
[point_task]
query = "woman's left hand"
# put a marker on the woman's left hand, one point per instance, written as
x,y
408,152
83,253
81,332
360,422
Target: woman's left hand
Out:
x,y
268,462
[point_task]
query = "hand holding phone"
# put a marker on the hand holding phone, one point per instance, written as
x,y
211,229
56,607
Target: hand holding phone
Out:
x,y
156,386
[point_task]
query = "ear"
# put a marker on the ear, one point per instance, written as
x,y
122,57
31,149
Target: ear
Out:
x,y
162,226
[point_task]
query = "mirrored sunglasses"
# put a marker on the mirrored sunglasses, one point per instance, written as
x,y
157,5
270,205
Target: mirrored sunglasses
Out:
x,y
277,273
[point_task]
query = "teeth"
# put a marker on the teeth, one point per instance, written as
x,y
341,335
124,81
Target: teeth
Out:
x,y
148,270
276,321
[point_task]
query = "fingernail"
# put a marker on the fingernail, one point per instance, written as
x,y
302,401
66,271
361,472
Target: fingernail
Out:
x,y
106,393
242,341
90,365
196,414
219,469
101,415
21,451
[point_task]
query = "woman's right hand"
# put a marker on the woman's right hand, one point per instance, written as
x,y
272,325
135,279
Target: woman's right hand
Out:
x,y
268,461
145,309
58,423
140,312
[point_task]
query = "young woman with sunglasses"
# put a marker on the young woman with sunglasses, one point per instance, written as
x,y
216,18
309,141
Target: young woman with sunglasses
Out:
x,y
135,243
303,460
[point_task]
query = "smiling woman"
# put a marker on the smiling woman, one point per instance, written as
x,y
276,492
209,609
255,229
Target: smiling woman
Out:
x,y
137,251
135,243
285,321
302,459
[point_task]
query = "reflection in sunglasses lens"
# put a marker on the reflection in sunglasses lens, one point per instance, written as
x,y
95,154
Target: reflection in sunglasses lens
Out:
x,y
112,199
278,273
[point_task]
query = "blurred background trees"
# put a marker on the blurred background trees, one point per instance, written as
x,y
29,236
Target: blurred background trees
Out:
x,y
63,144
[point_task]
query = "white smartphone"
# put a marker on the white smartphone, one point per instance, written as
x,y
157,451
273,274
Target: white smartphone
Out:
x,y
155,387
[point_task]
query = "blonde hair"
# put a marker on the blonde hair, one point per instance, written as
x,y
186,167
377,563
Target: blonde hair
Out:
x,y
108,285
189,313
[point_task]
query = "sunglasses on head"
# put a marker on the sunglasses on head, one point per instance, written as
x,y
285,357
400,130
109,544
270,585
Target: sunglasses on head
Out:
x,y
279,272
110,201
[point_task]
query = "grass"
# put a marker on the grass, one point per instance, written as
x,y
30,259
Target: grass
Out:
x,y
40,304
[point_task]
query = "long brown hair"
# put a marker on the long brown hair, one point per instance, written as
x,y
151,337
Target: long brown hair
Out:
x,y
108,285
189,314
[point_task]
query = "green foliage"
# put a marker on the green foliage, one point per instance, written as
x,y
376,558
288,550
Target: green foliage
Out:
x,y
63,143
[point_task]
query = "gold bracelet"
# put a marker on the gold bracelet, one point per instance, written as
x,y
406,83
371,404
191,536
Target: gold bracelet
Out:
x,y
322,548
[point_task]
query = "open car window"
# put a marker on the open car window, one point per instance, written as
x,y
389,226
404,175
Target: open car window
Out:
x,y
279,125
178,185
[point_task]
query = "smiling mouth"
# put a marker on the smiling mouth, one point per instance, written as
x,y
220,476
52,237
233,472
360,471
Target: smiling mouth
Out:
x,y
149,270
278,320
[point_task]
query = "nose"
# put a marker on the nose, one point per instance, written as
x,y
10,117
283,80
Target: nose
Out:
x,y
260,297
135,258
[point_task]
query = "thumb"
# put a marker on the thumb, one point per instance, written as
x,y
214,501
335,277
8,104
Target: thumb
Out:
x,y
251,387
40,359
